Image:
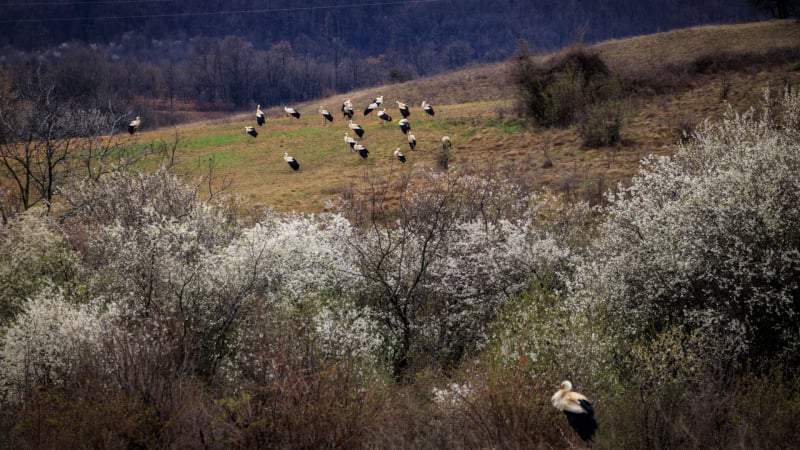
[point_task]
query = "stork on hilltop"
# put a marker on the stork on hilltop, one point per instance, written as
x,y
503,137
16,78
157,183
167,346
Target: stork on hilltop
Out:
x,y
326,115
291,112
356,128
399,155
291,161
259,116
404,125
134,125
403,109
427,108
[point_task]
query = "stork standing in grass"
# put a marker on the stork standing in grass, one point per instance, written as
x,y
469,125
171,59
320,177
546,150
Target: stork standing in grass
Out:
x,y
291,161
326,115
384,116
371,107
399,155
291,112
347,109
403,109
134,125
378,100
356,128
259,116
361,150
349,141
579,412
446,143
412,141
404,125
428,108
251,131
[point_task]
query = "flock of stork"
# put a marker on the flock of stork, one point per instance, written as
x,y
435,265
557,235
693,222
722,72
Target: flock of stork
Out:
x,y
348,113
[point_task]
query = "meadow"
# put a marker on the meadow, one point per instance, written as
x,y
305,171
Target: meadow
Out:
x,y
672,91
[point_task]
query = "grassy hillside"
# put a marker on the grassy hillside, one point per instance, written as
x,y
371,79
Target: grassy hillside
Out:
x,y
475,107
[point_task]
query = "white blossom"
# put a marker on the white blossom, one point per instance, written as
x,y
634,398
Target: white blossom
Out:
x,y
708,237
45,344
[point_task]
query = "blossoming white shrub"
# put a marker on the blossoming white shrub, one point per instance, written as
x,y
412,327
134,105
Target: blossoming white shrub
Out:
x,y
344,332
45,345
709,238
459,250
298,255
33,257
304,266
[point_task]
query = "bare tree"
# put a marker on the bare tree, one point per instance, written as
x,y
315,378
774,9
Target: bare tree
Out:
x,y
237,67
205,69
35,138
45,141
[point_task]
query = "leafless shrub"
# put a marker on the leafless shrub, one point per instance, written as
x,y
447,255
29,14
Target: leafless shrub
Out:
x,y
601,124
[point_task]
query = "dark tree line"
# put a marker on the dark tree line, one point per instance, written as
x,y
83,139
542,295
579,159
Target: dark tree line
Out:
x,y
147,58
402,27
781,9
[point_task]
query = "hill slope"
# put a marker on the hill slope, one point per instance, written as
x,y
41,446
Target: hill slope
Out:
x,y
475,108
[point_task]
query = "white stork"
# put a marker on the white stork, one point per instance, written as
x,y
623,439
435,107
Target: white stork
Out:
x,y
291,112
134,125
427,108
259,116
404,125
347,109
361,150
403,109
399,155
327,116
384,116
251,131
446,144
356,128
378,100
579,412
371,107
349,141
412,141
291,161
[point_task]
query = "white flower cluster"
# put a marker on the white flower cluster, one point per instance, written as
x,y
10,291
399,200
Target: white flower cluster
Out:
x,y
33,257
297,255
347,332
46,344
452,395
709,238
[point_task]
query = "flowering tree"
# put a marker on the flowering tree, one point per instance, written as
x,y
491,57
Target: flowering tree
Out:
x,y
708,239
33,257
435,277
45,345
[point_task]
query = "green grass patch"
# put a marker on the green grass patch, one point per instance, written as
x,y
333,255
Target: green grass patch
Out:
x,y
226,159
215,140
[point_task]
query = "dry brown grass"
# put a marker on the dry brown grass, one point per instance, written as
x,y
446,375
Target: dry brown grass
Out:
x,y
475,108
683,46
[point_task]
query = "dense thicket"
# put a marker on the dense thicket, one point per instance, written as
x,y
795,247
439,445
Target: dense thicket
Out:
x,y
576,87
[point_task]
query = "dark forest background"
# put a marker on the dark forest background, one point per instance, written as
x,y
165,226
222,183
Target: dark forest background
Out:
x,y
164,55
